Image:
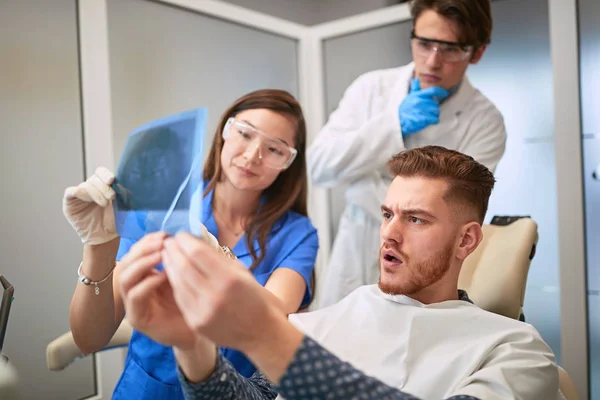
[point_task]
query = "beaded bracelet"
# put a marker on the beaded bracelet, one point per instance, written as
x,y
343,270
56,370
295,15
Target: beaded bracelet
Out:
x,y
86,281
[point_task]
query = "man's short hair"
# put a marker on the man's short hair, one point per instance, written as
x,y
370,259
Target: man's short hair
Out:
x,y
470,183
473,17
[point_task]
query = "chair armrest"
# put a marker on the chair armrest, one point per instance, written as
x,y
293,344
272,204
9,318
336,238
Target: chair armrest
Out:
x,y
8,381
63,351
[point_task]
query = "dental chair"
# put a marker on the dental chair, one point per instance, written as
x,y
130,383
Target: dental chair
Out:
x,y
8,374
495,274
63,351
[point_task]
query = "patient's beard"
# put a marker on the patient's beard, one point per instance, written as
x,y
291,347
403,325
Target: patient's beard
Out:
x,y
412,278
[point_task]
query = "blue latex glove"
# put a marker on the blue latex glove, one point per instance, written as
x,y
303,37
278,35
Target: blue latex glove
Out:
x,y
420,108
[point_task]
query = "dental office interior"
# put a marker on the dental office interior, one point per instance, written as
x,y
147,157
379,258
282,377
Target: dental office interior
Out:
x,y
78,75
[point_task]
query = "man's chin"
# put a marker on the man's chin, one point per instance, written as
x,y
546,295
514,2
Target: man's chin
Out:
x,y
394,288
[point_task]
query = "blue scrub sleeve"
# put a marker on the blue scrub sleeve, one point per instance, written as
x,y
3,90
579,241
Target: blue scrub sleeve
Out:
x,y
302,260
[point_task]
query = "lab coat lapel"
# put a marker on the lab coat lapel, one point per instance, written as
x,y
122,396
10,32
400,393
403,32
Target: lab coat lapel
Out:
x,y
454,105
403,84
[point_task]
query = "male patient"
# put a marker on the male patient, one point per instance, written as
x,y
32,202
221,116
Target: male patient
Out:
x,y
412,334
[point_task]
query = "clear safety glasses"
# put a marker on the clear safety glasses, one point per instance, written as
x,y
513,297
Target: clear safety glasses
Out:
x,y
450,52
273,152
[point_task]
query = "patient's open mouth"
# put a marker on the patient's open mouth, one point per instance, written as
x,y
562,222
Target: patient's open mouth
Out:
x,y
391,258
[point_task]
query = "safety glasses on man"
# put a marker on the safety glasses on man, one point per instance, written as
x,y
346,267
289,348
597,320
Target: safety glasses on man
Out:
x,y
450,52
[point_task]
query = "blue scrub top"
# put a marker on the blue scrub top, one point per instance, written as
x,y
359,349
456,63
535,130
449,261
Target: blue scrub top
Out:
x,y
150,368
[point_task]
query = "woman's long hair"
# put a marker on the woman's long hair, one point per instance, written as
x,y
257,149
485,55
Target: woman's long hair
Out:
x,y
289,191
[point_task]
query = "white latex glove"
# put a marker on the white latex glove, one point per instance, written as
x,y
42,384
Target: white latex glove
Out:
x,y
88,208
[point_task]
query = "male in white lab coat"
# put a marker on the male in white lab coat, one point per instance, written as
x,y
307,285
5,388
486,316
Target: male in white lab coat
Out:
x,y
429,101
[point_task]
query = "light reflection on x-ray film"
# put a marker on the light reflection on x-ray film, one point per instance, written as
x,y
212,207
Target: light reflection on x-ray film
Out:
x,y
159,171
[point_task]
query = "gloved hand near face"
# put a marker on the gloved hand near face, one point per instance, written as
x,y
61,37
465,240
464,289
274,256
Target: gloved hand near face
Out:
x,y
420,108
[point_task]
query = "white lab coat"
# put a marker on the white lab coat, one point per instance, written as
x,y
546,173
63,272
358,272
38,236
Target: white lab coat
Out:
x,y
435,351
362,134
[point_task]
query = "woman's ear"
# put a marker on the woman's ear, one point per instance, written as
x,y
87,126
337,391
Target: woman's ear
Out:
x,y
471,236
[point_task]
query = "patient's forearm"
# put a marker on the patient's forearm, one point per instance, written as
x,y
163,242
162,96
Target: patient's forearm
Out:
x,y
278,302
311,372
276,348
301,368
315,373
225,383
197,363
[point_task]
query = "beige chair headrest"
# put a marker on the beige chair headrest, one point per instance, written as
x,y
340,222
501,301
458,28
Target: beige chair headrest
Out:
x,y
495,274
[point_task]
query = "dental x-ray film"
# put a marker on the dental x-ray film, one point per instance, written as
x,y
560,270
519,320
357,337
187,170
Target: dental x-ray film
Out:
x,y
159,177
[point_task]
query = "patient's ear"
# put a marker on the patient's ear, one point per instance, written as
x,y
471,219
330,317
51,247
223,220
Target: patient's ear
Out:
x,y
470,237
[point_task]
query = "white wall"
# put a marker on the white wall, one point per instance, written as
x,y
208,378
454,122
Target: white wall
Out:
x,y
312,12
40,155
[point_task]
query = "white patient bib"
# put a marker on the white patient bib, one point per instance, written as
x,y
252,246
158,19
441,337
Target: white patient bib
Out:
x,y
425,350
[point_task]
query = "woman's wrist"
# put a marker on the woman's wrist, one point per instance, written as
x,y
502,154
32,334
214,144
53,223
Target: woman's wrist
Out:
x,y
99,260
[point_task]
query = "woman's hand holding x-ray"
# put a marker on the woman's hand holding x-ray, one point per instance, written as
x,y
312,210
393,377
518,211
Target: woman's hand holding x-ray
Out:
x,y
88,208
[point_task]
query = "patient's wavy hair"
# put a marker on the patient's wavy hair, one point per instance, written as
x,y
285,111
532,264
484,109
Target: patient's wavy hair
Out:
x,y
290,189
470,183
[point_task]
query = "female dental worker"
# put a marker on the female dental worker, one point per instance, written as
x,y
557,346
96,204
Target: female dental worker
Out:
x,y
427,102
255,195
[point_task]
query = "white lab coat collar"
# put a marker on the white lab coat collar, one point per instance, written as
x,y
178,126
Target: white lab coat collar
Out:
x,y
458,101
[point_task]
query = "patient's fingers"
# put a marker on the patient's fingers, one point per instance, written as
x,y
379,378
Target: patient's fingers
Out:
x,y
140,293
141,260
149,244
180,269
203,257
189,286
137,270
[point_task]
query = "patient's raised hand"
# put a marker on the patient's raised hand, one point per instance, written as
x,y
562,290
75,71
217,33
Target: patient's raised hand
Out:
x,y
148,296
